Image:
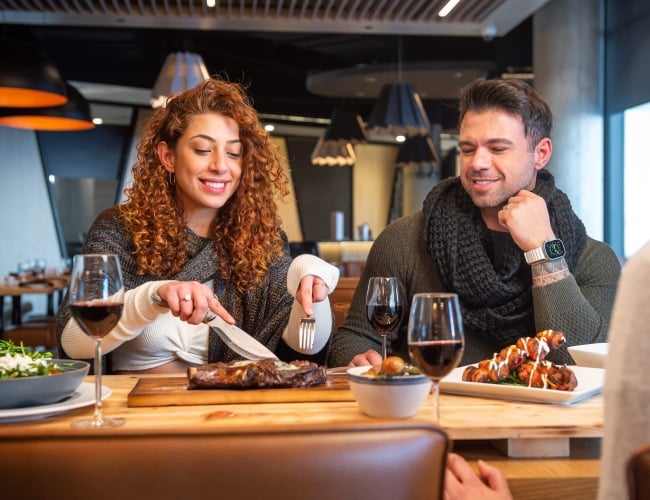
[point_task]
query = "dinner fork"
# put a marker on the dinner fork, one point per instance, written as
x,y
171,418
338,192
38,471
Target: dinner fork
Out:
x,y
306,332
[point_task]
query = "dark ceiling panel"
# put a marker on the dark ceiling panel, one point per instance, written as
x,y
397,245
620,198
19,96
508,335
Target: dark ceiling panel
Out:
x,y
275,64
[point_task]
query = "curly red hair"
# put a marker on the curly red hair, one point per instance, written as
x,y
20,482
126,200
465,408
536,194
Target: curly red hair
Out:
x,y
247,228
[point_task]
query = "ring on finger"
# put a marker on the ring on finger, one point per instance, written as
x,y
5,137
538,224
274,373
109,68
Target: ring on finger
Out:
x,y
187,297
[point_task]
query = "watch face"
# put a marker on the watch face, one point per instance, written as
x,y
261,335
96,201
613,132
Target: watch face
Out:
x,y
554,249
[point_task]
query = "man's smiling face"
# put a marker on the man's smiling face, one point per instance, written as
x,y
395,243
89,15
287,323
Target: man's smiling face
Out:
x,y
496,160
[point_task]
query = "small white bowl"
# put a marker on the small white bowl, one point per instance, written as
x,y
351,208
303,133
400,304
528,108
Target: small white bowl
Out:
x,y
590,355
389,397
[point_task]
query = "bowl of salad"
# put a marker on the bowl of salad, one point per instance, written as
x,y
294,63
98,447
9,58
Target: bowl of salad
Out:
x,y
32,378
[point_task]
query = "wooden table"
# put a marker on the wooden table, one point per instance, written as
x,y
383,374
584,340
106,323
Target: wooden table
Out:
x,y
475,424
48,286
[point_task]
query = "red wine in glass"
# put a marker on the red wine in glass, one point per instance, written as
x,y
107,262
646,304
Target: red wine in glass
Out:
x,y
96,318
436,358
384,319
435,337
384,306
96,299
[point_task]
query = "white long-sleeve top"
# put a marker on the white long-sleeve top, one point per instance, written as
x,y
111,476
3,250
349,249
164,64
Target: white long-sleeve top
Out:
x,y
148,335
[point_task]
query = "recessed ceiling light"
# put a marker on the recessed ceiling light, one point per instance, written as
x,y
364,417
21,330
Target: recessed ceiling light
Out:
x,y
448,7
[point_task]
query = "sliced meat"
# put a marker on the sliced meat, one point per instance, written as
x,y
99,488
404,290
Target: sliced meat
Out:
x,y
255,374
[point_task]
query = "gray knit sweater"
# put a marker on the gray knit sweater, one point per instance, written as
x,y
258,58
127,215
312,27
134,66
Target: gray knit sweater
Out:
x,y
580,305
263,312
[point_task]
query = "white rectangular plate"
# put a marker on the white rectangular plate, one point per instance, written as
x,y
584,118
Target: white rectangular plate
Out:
x,y
590,383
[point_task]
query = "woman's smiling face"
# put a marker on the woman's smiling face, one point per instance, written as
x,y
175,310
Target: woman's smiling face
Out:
x,y
206,163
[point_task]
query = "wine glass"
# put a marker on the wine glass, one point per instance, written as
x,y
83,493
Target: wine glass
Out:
x,y
435,337
384,307
96,296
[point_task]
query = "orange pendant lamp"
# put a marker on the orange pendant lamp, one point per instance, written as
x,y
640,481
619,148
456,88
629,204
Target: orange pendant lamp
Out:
x,y
28,78
73,115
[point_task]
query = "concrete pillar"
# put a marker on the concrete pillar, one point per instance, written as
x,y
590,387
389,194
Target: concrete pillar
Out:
x,y
567,60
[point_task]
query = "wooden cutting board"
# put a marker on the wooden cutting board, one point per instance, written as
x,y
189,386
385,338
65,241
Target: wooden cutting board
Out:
x,y
173,391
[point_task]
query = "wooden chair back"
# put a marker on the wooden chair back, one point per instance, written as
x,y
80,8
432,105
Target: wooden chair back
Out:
x,y
34,333
341,297
353,268
397,460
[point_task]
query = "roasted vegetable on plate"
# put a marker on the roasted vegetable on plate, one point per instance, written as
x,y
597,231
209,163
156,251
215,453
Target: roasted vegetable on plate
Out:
x,y
524,363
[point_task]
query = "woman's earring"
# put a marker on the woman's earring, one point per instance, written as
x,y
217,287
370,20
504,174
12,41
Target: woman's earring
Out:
x,y
172,179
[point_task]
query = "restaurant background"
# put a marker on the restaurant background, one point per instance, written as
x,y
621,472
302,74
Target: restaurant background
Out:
x,y
586,69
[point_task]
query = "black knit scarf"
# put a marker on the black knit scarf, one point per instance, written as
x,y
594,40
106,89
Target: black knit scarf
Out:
x,y
494,290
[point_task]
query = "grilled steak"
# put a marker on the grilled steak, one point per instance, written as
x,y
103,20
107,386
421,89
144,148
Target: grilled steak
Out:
x,y
255,374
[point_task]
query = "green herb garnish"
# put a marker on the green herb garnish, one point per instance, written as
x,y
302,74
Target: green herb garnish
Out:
x,y
20,361
7,347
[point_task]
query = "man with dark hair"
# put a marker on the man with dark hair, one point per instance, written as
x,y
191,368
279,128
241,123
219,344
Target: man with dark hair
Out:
x,y
501,235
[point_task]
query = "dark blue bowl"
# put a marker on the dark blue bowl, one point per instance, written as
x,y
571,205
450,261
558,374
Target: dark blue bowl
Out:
x,y
43,389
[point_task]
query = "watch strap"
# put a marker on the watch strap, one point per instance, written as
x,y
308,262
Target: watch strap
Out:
x,y
535,255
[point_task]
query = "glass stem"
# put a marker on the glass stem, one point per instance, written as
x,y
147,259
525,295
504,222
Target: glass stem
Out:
x,y
383,347
98,384
436,402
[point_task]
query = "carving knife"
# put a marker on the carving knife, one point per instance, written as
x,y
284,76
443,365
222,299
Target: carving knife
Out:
x,y
233,336
237,339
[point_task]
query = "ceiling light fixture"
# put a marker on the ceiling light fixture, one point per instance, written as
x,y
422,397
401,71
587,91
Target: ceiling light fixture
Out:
x,y
398,109
28,78
417,151
73,115
446,9
336,147
180,71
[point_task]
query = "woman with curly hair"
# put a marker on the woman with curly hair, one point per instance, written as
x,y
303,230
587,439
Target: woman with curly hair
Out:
x,y
200,231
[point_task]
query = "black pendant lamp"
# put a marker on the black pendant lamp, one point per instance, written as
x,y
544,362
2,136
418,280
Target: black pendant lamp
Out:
x,y
417,150
73,115
398,111
336,147
28,79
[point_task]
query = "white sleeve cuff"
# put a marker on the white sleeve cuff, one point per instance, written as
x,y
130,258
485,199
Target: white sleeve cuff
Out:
x,y
322,332
306,264
300,267
139,311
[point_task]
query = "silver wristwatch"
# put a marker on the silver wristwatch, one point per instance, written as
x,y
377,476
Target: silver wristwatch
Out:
x,y
550,250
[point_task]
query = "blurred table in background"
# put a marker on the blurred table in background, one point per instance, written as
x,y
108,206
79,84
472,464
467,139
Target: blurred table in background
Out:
x,y
344,251
52,286
349,256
